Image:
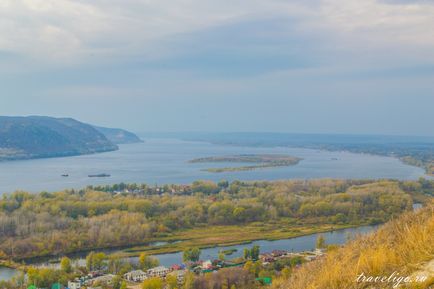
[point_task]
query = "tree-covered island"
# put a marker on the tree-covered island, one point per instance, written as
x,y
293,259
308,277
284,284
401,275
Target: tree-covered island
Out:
x,y
260,161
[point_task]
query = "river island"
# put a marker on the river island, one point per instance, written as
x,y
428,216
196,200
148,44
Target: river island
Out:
x,y
260,161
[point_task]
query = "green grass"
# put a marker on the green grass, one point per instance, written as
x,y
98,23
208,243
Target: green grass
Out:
x,y
213,236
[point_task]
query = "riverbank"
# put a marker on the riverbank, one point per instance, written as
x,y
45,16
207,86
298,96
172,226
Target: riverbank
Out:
x,y
428,166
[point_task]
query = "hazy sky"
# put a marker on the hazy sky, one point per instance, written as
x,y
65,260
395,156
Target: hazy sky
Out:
x,y
340,66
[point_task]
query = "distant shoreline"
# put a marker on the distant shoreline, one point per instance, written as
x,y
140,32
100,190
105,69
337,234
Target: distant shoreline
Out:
x,y
63,155
427,165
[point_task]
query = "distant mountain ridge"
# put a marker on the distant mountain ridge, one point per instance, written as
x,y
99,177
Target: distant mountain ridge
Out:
x,y
42,137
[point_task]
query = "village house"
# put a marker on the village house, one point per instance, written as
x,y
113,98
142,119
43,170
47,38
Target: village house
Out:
x,y
159,271
176,267
206,265
136,276
266,258
104,279
278,253
179,274
76,284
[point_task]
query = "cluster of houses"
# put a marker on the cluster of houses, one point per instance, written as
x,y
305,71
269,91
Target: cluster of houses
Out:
x,y
136,276
174,190
88,280
179,271
160,272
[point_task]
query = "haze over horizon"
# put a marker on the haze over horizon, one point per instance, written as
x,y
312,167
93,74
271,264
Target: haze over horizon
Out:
x,y
359,67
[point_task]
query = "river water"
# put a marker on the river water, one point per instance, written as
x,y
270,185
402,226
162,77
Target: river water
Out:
x,y
162,161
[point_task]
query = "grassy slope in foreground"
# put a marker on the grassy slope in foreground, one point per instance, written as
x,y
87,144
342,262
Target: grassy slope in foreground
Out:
x,y
404,245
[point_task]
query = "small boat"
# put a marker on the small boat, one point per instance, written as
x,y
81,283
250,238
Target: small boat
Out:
x,y
99,176
65,175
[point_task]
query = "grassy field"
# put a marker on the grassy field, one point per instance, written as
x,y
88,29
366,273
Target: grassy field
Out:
x,y
212,236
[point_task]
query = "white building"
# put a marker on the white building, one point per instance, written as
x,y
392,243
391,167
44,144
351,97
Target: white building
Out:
x,y
104,279
136,276
159,271
179,274
74,285
206,265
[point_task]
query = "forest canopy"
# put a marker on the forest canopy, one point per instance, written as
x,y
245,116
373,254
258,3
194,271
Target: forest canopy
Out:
x,y
99,217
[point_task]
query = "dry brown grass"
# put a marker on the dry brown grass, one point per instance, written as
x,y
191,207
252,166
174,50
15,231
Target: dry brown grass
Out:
x,y
402,245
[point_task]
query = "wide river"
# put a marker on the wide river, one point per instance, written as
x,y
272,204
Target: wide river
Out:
x,y
162,161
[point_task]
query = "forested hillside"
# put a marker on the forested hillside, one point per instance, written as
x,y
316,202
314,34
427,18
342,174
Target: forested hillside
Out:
x,y
39,137
118,136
